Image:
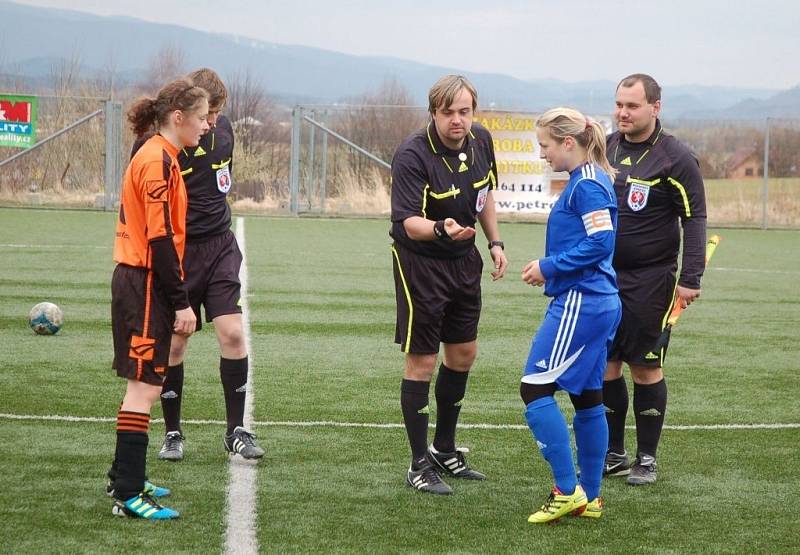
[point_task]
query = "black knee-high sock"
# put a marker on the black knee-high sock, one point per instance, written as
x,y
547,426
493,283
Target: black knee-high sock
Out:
x,y
171,397
233,373
112,472
131,454
615,399
414,402
650,405
450,389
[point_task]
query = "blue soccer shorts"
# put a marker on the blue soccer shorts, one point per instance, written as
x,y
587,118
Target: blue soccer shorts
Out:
x,y
571,345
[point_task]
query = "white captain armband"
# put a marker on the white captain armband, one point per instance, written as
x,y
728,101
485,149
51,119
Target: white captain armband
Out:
x,y
597,221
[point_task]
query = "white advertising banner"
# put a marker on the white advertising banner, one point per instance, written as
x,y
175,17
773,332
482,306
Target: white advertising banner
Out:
x,y
525,183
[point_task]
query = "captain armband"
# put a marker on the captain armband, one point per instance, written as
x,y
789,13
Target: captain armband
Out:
x,y
597,221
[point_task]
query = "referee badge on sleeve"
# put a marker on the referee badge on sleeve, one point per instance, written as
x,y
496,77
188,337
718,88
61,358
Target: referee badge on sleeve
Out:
x,y
637,196
224,180
480,202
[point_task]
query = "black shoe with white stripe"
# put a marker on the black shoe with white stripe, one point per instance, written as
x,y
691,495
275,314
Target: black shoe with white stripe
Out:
x,y
617,464
241,442
453,464
426,479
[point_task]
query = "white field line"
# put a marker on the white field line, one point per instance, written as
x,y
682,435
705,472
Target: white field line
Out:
x,y
240,512
384,425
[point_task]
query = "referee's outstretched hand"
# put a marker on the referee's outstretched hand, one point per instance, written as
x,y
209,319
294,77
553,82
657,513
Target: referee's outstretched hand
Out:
x,y
458,232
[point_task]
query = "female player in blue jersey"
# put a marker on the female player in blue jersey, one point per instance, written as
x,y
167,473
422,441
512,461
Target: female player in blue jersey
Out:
x,y
569,350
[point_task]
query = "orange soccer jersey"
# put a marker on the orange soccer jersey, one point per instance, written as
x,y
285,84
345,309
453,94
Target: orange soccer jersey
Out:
x,y
153,204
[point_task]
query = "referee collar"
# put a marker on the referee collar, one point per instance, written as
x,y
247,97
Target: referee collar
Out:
x,y
436,145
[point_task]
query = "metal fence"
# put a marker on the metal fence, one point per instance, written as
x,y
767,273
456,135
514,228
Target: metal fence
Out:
x,y
77,161
334,160
340,156
751,169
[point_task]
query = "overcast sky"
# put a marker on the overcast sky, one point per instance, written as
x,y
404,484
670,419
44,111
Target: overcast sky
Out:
x,y
744,43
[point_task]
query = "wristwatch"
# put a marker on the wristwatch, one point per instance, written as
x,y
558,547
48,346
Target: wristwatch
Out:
x,y
497,244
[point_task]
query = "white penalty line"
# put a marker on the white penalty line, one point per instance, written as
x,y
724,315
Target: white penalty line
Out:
x,y
240,513
382,426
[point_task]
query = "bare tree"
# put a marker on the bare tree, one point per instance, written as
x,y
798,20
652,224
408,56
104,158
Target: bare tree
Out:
x,y
246,102
261,158
379,121
165,65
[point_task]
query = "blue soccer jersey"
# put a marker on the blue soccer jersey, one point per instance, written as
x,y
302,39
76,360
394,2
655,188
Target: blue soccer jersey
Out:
x,y
571,345
580,235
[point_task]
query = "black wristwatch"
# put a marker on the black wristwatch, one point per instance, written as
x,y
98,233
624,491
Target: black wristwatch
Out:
x,y
497,244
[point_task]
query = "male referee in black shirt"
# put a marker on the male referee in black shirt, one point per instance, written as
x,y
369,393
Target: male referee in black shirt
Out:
x,y
659,191
442,181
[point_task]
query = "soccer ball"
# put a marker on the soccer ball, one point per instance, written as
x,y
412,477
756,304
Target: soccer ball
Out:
x,y
45,319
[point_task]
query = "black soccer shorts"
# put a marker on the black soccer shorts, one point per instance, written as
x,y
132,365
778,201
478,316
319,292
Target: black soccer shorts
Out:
x,y
647,295
211,270
438,299
142,320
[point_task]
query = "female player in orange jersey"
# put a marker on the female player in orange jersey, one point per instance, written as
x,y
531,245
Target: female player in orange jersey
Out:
x,y
149,301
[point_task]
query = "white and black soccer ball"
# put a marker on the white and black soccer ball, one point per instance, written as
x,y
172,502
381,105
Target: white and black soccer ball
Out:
x,y
46,319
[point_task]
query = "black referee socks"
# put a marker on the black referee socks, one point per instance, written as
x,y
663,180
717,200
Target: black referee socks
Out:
x,y
649,405
450,389
615,399
414,402
171,393
233,373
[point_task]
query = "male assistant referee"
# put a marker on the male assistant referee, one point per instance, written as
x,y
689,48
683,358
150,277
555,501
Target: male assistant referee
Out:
x,y
442,181
659,191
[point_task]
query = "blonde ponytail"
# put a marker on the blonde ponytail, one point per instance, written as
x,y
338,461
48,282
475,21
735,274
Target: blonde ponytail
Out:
x,y
566,122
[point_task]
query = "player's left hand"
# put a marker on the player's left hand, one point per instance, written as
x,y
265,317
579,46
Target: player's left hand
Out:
x,y
532,274
500,262
686,296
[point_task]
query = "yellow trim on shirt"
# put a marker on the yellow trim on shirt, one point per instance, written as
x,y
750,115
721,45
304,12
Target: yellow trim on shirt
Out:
x,y
447,194
680,188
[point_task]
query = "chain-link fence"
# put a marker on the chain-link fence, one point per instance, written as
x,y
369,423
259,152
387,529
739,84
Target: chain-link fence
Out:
x,y
77,160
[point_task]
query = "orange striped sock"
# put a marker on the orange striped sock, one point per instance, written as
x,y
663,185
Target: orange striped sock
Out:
x,y
128,421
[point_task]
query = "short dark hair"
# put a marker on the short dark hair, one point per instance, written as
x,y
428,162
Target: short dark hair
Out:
x,y
652,90
208,79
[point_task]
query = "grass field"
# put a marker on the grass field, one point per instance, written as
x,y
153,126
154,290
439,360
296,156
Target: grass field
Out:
x,y
321,306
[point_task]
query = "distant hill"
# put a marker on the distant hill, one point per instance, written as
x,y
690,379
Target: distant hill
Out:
x,y
783,104
304,74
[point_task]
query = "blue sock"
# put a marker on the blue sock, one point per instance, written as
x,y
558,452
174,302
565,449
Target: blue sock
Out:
x,y
591,438
550,431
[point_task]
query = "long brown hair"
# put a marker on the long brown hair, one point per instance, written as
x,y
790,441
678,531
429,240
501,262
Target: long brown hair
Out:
x,y
147,114
590,134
